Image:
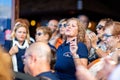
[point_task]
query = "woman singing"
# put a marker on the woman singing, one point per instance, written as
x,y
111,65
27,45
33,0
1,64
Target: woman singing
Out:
x,y
67,57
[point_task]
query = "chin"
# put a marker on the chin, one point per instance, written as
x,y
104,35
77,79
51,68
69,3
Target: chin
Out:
x,y
21,40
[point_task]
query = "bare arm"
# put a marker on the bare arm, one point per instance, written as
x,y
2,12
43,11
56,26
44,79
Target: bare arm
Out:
x,y
77,60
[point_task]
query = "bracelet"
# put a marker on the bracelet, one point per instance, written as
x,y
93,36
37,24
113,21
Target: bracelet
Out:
x,y
76,56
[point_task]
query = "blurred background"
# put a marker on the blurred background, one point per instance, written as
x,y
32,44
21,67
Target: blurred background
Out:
x,y
41,11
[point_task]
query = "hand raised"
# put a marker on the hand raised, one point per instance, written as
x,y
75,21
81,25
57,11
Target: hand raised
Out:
x,y
13,50
73,46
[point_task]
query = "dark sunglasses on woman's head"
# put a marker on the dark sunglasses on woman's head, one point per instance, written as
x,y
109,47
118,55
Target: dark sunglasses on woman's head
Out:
x,y
60,25
39,34
99,27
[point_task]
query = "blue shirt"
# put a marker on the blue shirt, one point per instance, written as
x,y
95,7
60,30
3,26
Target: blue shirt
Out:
x,y
65,67
21,52
48,74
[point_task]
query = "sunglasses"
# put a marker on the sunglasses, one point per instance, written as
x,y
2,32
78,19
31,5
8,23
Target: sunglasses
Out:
x,y
60,25
107,35
99,27
39,34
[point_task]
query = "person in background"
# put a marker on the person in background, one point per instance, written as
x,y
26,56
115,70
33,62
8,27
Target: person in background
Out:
x,y
61,27
37,60
20,40
43,34
97,39
53,25
66,59
85,21
111,37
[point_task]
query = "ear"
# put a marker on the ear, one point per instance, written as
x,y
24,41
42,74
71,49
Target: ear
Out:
x,y
33,58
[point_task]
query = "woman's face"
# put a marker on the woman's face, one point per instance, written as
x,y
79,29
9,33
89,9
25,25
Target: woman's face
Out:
x,y
71,29
21,34
62,27
39,36
99,29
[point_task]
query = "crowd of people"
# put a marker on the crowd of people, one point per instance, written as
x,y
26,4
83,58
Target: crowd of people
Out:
x,y
63,50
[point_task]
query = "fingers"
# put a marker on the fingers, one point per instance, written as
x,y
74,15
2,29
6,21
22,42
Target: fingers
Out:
x,y
92,35
73,46
13,50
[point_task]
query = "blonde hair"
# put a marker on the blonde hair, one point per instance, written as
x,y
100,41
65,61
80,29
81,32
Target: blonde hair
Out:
x,y
6,72
81,30
21,23
46,30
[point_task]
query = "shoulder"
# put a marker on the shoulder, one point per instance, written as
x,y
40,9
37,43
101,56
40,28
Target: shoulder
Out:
x,y
22,76
82,50
49,75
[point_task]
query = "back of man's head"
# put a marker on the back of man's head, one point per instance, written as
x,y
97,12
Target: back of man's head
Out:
x,y
41,50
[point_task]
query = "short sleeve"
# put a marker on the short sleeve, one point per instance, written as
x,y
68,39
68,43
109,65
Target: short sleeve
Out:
x,y
82,50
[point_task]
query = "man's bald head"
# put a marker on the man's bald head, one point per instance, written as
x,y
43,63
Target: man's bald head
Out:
x,y
39,49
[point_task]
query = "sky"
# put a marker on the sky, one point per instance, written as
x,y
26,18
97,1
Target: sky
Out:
x,y
5,8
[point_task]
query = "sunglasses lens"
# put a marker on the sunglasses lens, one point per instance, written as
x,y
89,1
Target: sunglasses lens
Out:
x,y
106,35
38,34
64,25
60,25
99,27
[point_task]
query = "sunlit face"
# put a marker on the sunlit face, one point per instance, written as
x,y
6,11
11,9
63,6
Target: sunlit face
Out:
x,y
71,29
21,34
39,36
62,27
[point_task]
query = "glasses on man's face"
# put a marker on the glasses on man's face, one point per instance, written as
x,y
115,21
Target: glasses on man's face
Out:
x,y
39,33
107,35
24,58
62,25
99,27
